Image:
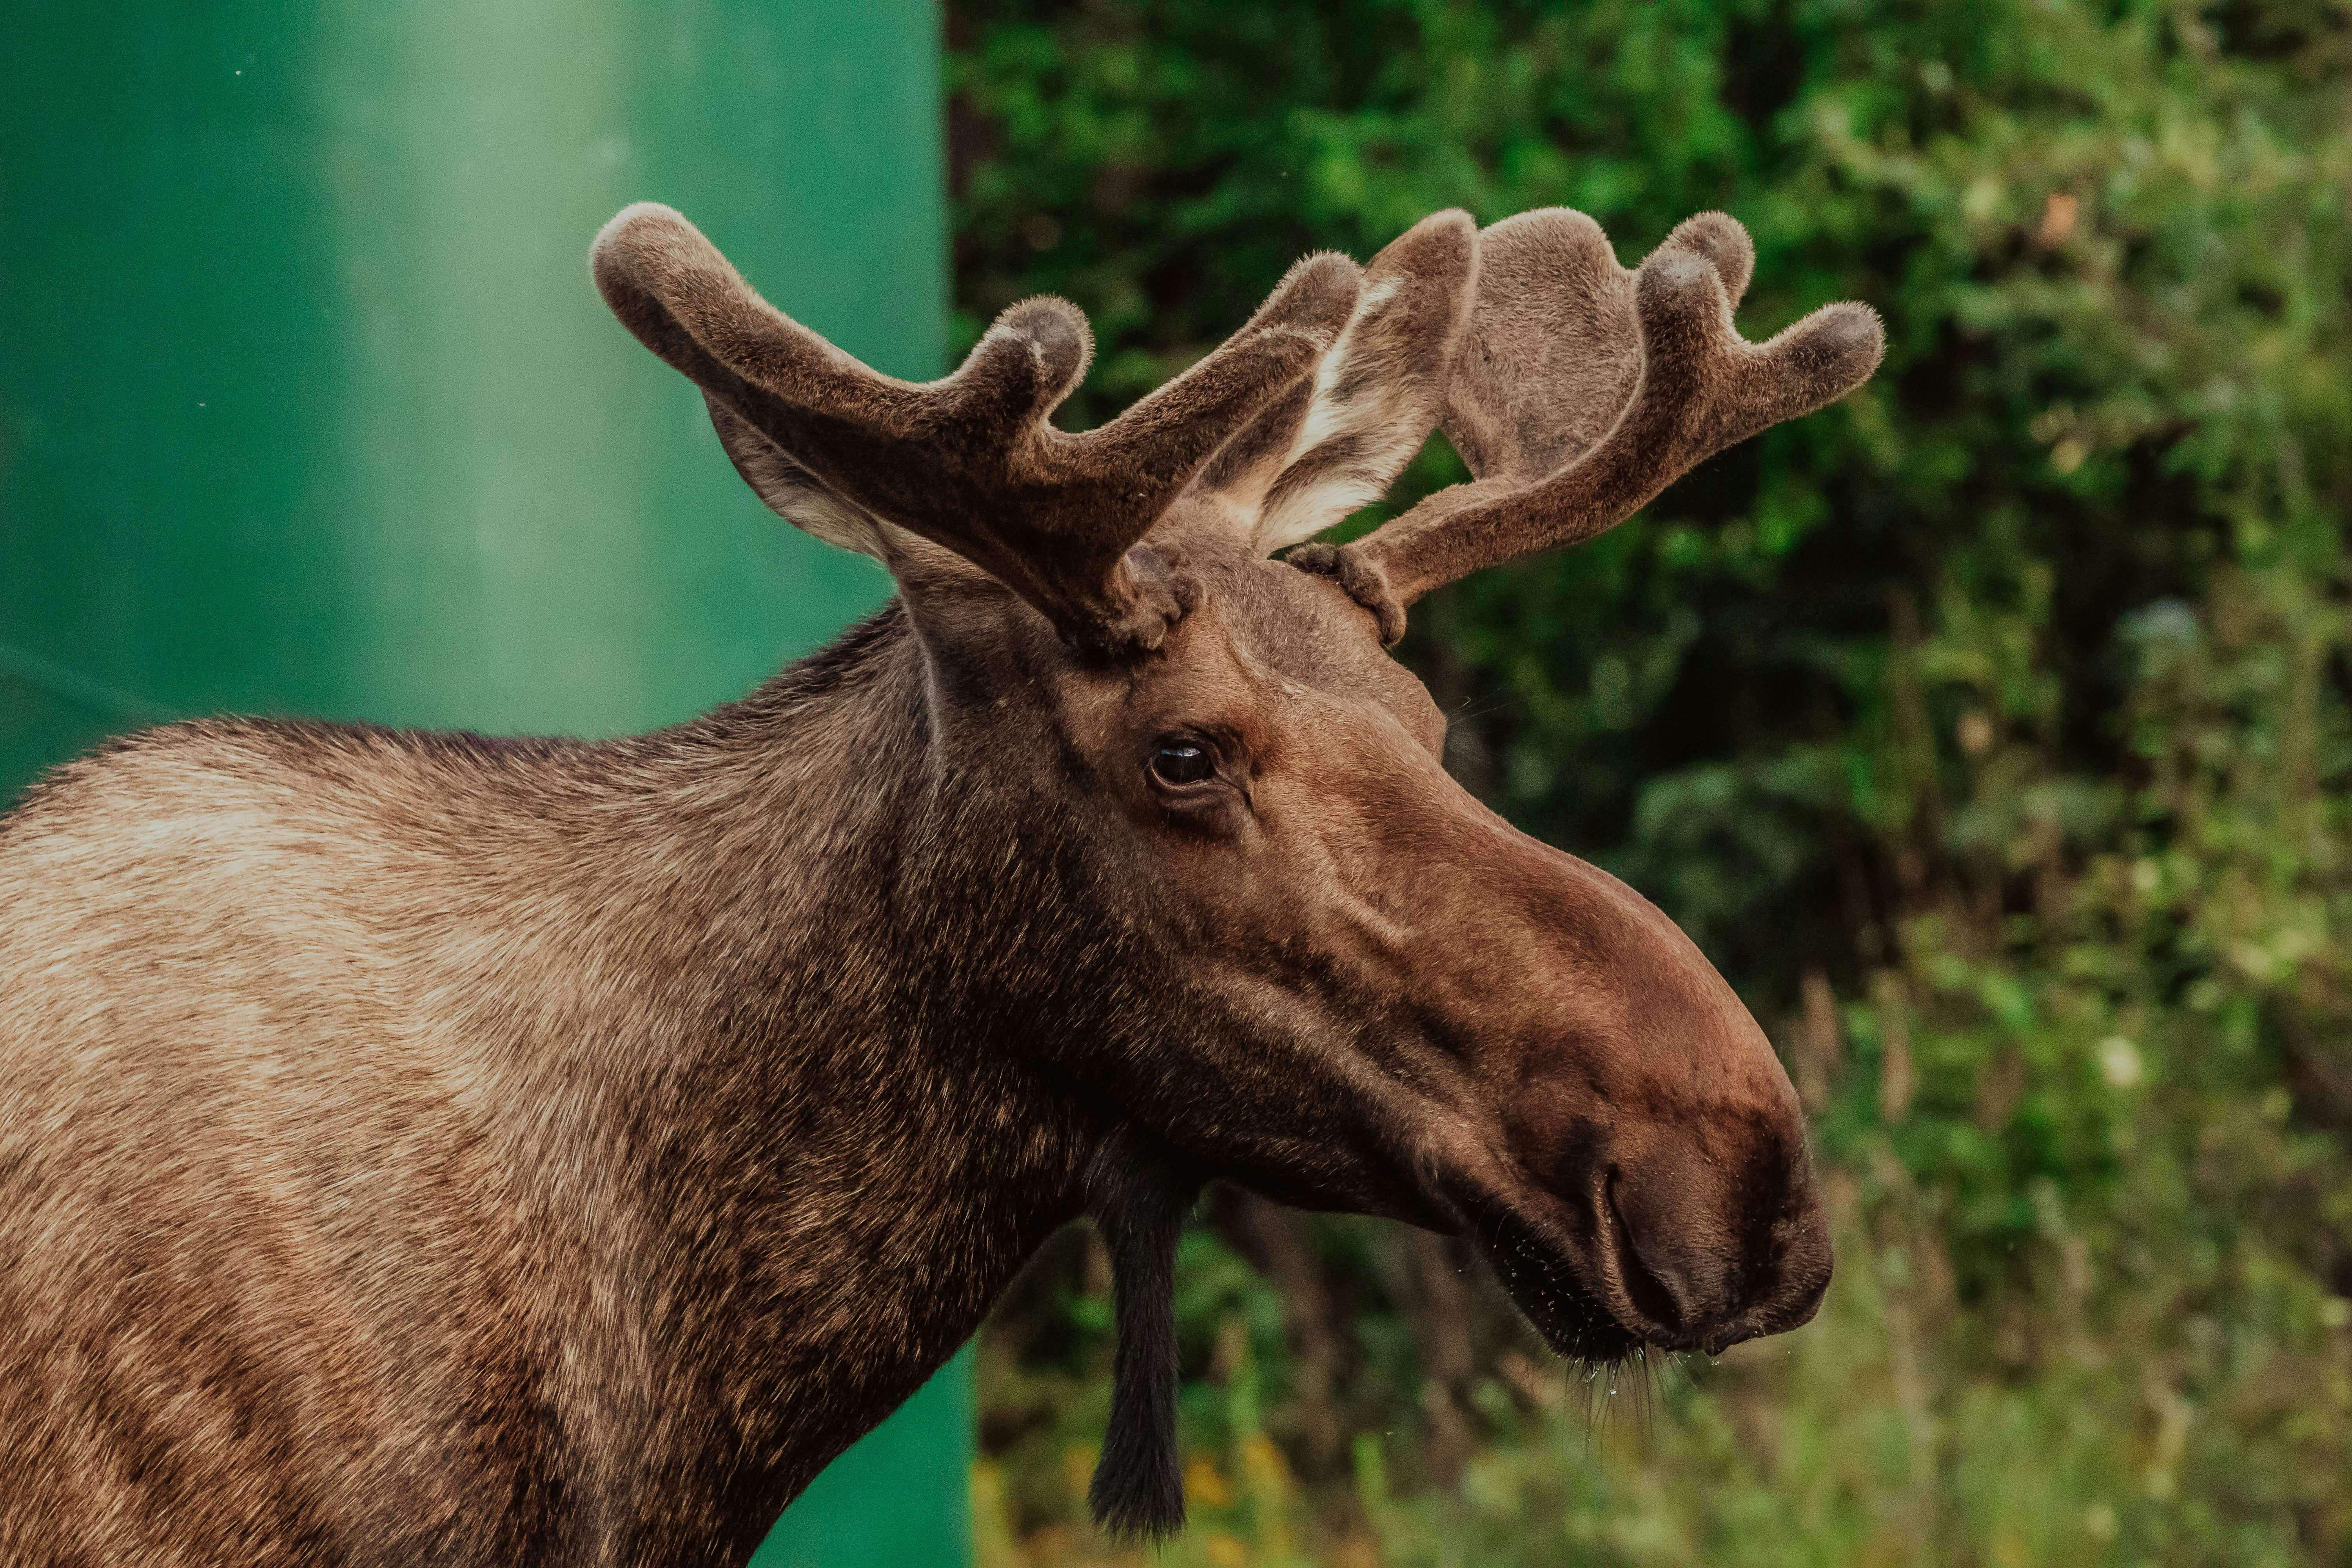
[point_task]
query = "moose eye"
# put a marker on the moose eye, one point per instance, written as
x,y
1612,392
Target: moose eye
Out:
x,y
1182,762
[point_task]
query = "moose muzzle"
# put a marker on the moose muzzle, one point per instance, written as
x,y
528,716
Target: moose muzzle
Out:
x,y
1709,1254
1674,1237
1652,1186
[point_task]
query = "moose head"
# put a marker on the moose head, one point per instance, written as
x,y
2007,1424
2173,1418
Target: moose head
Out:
x,y
1282,945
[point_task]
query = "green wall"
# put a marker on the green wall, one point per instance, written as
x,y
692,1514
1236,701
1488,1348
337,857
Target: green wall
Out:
x,y
307,404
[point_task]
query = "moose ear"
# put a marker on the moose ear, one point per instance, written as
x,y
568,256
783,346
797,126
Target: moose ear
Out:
x,y
1337,439
791,490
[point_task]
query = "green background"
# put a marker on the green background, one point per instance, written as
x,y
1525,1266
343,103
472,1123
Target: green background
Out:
x,y
1991,731
308,406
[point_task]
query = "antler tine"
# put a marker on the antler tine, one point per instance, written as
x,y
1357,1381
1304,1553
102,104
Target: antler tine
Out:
x,y
1584,390
969,461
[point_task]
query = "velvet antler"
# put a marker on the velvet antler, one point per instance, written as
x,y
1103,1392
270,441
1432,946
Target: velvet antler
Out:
x,y
971,461
1583,390
1337,439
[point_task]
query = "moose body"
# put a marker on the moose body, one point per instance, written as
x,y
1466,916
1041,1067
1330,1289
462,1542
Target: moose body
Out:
x,y
475,1151
423,1148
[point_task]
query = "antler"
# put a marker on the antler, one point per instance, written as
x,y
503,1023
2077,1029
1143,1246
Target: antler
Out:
x,y
969,461
1583,390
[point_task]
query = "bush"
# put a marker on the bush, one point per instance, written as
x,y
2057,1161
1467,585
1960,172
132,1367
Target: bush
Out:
x,y
1990,731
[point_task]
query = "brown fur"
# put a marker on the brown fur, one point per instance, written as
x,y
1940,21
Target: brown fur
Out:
x,y
428,1149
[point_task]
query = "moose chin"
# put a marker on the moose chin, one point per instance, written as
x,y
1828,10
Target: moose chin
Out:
x,y
429,1149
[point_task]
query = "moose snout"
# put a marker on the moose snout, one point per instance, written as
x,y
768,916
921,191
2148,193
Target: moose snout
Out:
x,y
1661,1145
1712,1251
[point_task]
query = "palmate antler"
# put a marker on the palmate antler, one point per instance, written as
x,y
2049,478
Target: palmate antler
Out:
x,y
1583,390
969,462
1574,389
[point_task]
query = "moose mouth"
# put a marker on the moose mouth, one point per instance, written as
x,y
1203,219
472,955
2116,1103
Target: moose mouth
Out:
x,y
1544,1285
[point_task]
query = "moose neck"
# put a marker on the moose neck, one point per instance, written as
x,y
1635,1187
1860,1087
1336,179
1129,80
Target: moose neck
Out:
x,y
835,1156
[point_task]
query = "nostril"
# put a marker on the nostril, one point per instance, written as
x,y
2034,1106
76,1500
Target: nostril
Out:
x,y
1655,1294
1805,1266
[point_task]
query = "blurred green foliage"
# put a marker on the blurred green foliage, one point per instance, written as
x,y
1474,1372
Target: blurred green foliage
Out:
x,y
1991,730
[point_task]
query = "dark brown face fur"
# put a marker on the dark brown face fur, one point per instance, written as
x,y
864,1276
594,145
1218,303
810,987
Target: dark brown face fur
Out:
x,y
1375,995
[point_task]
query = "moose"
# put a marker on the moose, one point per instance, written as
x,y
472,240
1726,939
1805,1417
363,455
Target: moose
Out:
x,y
430,1148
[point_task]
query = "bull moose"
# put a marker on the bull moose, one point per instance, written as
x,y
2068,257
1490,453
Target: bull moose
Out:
x,y
424,1148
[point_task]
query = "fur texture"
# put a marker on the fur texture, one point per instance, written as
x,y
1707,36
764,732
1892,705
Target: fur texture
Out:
x,y
421,1149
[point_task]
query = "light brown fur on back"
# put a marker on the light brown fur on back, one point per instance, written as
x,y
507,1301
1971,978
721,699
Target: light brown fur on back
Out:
x,y
348,1198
